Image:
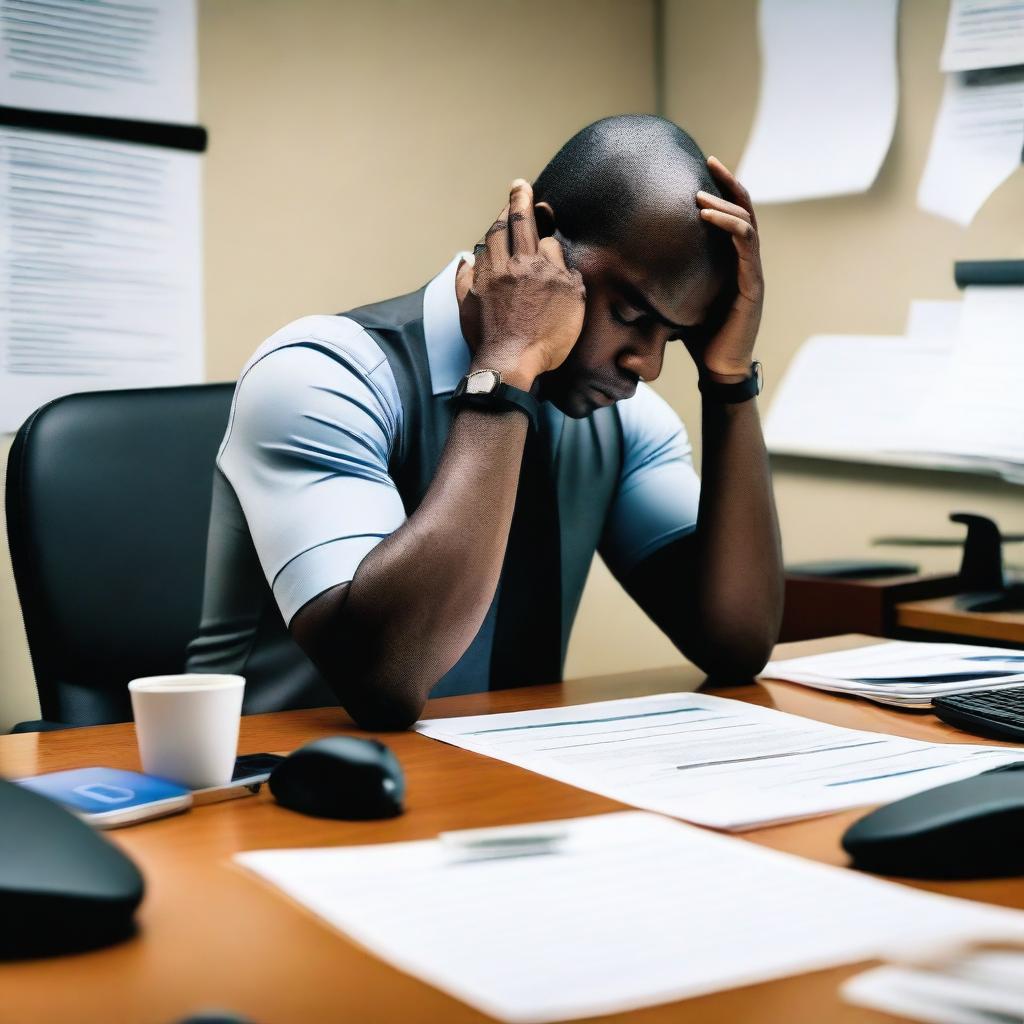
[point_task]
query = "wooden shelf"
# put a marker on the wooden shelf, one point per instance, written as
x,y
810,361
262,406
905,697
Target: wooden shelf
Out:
x,y
941,615
818,606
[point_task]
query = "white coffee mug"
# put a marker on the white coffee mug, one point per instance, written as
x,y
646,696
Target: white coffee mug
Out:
x,y
187,726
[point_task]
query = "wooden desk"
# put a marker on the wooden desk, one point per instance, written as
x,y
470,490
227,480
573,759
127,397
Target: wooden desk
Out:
x,y
941,615
213,937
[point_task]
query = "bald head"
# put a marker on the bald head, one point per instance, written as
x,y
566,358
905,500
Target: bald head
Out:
x,y
629,183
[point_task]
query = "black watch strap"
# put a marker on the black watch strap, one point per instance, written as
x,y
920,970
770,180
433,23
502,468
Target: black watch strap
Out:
x,y
732,394
502,398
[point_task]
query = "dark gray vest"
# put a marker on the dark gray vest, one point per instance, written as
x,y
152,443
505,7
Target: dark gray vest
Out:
x,y
242,630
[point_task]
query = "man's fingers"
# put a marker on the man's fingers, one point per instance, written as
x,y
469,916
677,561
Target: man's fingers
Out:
x,y
551,249
706,200
523,223
749,277
725,177
744,233
496,240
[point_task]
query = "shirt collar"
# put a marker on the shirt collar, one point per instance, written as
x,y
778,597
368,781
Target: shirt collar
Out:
x,y
447,351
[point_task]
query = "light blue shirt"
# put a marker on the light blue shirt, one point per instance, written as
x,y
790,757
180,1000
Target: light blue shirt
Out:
x,y
313,421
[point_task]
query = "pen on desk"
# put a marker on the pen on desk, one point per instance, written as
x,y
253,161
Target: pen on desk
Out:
x,y
501,843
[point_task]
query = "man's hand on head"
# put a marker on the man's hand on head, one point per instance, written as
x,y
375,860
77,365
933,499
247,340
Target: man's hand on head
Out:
x,y
728,352
531,305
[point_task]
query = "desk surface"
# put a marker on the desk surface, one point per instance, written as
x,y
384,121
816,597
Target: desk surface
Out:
x,y
213,937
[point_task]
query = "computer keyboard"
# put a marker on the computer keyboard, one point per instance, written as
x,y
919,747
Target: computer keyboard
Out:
x,y
998,713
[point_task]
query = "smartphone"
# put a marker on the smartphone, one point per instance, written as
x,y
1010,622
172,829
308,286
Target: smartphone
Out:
x,y
251,771
110,797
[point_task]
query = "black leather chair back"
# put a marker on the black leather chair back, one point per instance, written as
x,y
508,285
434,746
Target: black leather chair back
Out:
x,y
108,499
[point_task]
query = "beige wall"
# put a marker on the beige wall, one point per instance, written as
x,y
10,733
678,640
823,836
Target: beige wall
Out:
x,y
333,179
847,265
356,146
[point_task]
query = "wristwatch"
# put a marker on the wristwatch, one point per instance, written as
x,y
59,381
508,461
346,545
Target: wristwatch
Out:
x,y
483,389
732,394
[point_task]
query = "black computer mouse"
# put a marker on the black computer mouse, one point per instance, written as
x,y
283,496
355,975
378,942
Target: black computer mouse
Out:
x,y
973,828
340,777
63,887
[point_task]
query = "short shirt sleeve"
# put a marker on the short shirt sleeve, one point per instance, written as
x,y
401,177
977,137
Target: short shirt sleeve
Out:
x,y
659,491
315,415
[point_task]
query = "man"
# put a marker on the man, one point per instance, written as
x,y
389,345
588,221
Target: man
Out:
x,y
416,488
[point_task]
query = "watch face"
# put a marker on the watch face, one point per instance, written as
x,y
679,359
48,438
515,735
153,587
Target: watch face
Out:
x,y
759,377
482,382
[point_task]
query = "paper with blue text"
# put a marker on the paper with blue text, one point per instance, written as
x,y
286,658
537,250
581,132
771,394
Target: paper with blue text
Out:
x,y
717,762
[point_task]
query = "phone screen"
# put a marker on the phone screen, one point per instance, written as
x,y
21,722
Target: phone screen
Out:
x,y
255,764
103,790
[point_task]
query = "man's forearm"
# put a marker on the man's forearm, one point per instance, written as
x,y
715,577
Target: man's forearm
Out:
x,y
418,599
738,547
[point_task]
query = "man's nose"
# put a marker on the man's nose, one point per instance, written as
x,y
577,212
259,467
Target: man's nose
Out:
x,y
645,360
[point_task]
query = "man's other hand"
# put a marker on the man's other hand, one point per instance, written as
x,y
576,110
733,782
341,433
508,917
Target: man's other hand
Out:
x,y
729,352
531,304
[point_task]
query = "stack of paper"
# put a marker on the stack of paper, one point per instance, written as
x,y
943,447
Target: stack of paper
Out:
x,y
946,395
976,410
630,910
983,987
905,673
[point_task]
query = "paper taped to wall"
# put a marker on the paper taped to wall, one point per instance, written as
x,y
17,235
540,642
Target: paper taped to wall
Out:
x,y
983,34
976,143
101,273
828,102
127,60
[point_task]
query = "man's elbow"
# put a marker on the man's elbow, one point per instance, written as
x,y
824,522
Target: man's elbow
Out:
x,y
376,706
385,715
738,656
734,666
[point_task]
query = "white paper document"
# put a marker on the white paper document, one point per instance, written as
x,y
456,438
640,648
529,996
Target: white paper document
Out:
x,y
869,418
713,761
906,673
976,143
100,270
630,911
828,102
984,987
977,408
983,34
124,59
946,396
934,320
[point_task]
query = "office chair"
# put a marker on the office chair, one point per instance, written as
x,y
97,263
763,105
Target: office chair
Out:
x,y
108,498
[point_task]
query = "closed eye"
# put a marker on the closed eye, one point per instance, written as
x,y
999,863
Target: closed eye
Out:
x,y
641,321
617,316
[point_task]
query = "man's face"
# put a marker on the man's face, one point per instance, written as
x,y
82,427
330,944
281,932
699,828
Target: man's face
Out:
x,y
636,304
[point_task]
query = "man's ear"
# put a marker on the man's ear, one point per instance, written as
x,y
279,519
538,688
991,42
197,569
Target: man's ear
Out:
x,y
545,217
